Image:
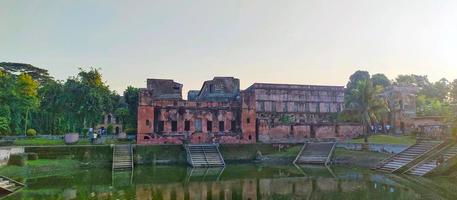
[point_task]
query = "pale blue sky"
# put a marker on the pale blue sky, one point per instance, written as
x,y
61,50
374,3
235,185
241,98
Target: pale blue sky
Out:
x,y
303,41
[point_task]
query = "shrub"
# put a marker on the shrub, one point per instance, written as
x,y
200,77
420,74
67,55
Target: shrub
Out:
x,y
32,156
31,132
4,126
109,129
85,131
18,159
130,131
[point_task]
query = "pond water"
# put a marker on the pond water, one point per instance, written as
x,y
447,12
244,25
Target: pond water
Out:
x,y
247,182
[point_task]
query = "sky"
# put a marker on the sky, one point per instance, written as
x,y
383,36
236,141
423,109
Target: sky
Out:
x,y
293,41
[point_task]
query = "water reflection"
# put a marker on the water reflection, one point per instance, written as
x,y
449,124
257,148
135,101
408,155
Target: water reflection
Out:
x,y
246,182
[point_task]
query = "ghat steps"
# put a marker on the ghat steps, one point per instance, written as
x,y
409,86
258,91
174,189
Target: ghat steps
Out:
x,y
122,157
430,163
410,155
204,155
315,153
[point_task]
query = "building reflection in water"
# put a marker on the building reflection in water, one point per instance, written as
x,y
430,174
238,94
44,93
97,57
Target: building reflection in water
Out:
x,y
360,186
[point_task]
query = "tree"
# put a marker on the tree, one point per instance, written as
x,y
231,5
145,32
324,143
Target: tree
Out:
x,y
412,80
131,99
4,126
380,80
38,74
365,101
353,80
453,91
122,114
26,96
51,115
87,98
356,77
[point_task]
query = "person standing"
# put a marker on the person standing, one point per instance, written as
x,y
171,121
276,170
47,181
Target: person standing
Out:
x,y
94,137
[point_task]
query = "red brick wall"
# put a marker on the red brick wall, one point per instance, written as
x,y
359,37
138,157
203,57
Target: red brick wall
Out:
x,y
325,131
145,113
301,132
350,131
283,133
248,116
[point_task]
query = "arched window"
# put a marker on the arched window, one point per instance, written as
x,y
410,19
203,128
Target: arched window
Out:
x,y
109,119
148,123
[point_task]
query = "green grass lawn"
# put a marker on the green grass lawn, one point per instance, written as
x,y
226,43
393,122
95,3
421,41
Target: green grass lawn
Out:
x,y
387,139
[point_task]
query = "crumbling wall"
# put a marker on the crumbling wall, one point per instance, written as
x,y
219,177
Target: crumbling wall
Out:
x,y
145,123
164,89
325,131
350,131
219,89
248,116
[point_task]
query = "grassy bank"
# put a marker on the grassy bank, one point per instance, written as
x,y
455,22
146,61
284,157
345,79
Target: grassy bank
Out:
x,y
40,168
387,139
447,169
343,156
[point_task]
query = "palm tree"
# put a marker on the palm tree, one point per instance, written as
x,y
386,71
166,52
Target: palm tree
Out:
x,y
366,101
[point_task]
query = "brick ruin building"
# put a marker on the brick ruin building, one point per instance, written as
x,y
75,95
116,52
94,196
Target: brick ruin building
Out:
x,y
403,118
220,112
401,101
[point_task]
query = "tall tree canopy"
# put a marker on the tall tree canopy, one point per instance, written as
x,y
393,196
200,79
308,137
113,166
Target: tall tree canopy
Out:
x,y
380,80
38,74
131,99
32,99
353,80
365,101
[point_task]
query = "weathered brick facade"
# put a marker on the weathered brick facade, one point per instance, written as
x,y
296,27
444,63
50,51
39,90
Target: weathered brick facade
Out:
x,y
221,113
402,105
295,113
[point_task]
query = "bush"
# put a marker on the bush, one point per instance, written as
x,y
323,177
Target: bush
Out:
x,y
85,131
31,132
18,159
109,129
4,126
130,131
32,156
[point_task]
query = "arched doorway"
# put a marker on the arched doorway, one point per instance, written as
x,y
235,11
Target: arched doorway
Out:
x,y
117,129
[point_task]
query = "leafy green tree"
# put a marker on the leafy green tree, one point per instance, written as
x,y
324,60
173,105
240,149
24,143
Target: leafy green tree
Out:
x,y
51,115
380,80
353,80
412,80
122,114
4,126
87,98
131,99
453,91
26,93
38,74
364,100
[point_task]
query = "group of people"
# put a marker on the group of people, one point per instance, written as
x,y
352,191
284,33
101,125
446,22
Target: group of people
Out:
x,y
379,128
94,135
